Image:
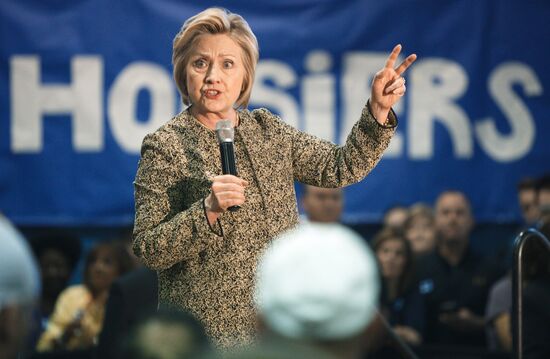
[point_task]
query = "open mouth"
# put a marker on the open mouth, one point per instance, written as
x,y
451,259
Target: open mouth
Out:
x,y
211,93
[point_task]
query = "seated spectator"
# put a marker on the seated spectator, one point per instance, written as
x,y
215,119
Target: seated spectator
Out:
x,y
79,311
132,297
400,297
57,255
498,315
499,305
420,230
19,289
395,217
528,203
167,334
543,198
455,281
317,291
323,204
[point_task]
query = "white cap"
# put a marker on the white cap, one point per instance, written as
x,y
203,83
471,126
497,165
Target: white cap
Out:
x,y
318,281
19,278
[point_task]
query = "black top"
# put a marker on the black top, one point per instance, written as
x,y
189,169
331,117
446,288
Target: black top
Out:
x,y
448,288
407,310
131,298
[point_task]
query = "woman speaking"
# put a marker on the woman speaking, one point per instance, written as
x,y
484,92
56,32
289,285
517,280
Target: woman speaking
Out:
x,y
205,254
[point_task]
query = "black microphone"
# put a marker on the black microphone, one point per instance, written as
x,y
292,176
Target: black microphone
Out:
x,y
226,134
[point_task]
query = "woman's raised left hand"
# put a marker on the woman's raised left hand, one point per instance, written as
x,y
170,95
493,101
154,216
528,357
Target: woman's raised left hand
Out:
x,y
388,86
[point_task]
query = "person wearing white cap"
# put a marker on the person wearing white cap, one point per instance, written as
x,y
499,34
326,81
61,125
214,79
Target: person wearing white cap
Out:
x,y
318,284
19,288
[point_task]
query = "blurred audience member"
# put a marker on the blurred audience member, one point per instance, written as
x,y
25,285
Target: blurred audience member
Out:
x,y
167,334
400,297
79,311
527,198
543,198
323,204
317,287
420,229
453,279
499,304
57,256
395,217
19,289
498,315
132,297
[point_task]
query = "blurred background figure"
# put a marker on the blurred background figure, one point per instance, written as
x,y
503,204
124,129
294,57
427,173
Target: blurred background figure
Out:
x,y
132,297
419,229
57,255
534,201
19,290
167,334
454,280
499,304
317,288
79,311
401,301
528,204
323,205
543,198
395,217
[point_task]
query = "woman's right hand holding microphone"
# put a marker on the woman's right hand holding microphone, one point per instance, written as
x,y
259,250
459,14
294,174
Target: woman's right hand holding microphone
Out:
x,y
226,191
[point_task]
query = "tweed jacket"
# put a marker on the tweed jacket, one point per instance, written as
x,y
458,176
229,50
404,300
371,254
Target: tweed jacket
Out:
x,y
209,270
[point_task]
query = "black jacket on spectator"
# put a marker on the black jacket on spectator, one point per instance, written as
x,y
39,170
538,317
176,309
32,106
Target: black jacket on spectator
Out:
x,y
447,289
131,298
408,310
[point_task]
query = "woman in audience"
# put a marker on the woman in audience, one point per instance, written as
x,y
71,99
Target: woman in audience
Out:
x,y
419,229
79,311
57,255
401,301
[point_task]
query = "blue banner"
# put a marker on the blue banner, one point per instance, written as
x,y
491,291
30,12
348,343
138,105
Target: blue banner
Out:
x,y
81,83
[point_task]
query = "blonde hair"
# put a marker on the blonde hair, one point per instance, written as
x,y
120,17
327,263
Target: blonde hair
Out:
x,y
419,210
215,21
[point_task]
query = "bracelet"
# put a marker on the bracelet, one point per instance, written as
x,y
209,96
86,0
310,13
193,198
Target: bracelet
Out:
x,y
391,120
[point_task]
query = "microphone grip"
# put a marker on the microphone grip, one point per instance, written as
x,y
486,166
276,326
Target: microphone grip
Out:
x,y
229,166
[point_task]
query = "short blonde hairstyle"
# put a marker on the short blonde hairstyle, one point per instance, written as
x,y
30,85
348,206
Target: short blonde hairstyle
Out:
x,y
215,21
420,210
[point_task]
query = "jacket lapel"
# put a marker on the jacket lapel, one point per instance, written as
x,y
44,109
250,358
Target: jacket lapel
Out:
x,y
254,140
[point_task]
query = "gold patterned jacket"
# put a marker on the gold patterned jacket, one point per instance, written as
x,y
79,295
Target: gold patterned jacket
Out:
x,y
209,271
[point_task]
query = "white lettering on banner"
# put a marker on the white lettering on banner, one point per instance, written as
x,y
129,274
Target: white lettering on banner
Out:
x,y
522,135
435,84
282,76
123,97
318,97
30,100
359,69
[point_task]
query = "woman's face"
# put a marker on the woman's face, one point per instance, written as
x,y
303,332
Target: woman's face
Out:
x,y
103,270
215,74
55,271
421,235
391,256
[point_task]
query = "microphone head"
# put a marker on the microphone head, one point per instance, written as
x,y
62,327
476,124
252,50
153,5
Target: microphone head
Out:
x,y
225,131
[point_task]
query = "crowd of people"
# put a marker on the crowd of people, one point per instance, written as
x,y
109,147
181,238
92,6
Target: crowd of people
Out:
x,y
431,289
